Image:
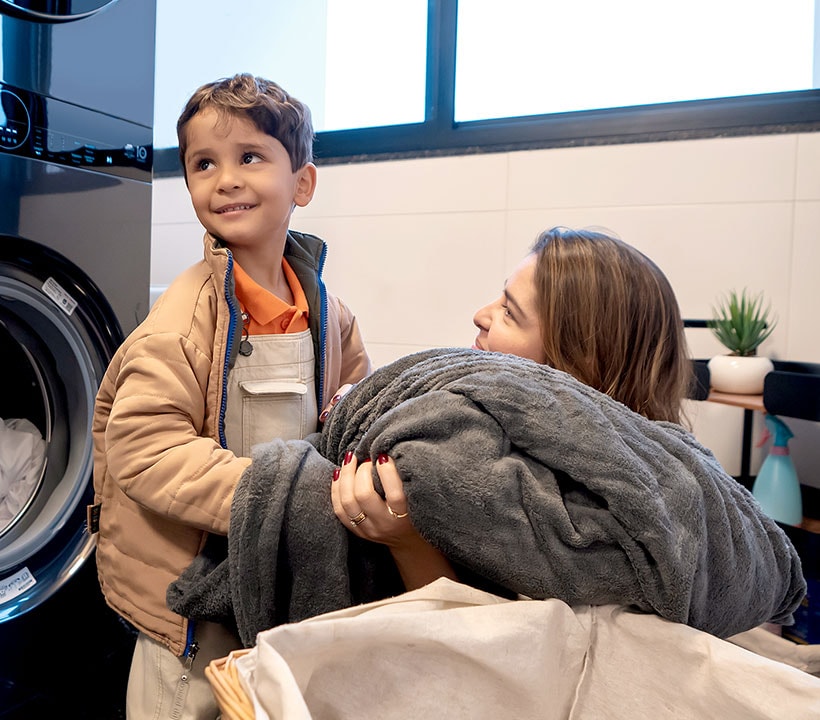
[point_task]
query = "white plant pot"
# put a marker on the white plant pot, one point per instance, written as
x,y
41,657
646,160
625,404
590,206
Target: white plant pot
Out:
x,y
739,375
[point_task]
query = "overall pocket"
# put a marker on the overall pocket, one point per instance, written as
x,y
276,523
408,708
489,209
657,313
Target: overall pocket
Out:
x,y
275,409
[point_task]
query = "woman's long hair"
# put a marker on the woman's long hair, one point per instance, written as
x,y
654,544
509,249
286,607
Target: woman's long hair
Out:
x,y
609,317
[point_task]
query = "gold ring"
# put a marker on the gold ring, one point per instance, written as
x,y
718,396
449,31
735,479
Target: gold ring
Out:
x,y
396,515
359,519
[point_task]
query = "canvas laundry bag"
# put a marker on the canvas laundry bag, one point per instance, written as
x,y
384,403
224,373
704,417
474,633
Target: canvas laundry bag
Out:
x,y
450,651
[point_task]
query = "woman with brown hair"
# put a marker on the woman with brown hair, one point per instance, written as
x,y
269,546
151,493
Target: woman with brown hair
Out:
x,y
590,305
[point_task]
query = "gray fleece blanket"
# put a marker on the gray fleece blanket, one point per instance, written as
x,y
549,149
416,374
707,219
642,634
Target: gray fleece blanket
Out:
x,y
523,477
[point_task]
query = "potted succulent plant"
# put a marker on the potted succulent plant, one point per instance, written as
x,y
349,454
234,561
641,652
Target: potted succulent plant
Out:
x,y
741,322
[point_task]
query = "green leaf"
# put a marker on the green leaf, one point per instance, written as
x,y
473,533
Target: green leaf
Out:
x,y
741,322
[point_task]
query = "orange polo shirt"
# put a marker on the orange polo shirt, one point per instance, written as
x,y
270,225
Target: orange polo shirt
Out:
x,y
267,313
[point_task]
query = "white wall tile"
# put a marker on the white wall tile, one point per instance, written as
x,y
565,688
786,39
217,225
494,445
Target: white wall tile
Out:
x,y
747,169
451,184
803,322
174,247
384,353
171,202
808,167
414,279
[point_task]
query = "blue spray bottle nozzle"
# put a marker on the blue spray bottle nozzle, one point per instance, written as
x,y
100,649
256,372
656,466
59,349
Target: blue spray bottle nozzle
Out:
x,y
777,428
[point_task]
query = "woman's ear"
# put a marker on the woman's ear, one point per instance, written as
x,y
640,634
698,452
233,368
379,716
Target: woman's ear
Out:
x,y
305,184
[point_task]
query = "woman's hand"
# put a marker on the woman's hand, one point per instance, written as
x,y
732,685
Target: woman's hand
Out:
x,y
363,511
337,396
385,520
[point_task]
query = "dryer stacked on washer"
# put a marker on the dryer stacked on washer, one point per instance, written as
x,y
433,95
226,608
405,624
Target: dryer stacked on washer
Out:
x,y
76,109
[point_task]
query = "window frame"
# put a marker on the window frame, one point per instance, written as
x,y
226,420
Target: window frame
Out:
x,y
440,135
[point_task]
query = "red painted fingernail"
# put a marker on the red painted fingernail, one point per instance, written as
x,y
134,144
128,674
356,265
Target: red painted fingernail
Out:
x,y
323,416
348,457
382,459
336,472
335,399
364,460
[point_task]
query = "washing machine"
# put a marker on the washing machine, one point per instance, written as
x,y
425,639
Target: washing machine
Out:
x,y
76,108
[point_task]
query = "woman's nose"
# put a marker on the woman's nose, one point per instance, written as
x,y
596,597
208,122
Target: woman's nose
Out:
x,y
482,317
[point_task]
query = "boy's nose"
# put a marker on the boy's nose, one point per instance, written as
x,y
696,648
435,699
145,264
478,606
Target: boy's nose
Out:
x,y
229,179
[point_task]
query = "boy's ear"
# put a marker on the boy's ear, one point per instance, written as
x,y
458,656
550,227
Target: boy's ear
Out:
x,y
305,184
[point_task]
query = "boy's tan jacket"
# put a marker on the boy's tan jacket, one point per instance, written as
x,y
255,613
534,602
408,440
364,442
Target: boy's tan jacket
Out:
x,y
162,479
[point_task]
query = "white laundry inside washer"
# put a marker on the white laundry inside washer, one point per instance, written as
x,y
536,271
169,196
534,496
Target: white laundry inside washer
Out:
x,y
22,460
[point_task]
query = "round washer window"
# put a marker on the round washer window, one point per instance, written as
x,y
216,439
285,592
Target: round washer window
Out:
x,y
52,11
58,361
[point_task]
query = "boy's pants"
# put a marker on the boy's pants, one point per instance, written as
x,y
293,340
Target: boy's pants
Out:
x,y
155,687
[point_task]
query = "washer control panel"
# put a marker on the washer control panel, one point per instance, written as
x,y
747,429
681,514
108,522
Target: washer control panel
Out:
x,y
43,128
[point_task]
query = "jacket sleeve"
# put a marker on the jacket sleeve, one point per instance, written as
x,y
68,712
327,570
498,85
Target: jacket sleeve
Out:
x,y
157,448
355,360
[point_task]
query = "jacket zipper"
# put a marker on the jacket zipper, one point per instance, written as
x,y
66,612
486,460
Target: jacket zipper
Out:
x,y
322,325
232,325
184,682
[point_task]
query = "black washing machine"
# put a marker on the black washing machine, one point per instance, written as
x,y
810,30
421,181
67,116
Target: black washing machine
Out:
x,y
76,107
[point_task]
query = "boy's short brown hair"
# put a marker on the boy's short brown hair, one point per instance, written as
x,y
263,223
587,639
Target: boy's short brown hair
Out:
x,y
263,102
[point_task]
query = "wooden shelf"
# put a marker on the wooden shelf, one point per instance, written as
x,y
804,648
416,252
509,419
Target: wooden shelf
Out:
x,y
749,402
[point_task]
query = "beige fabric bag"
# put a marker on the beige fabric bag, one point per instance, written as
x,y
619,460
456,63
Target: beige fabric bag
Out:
x,y
448,650
764,642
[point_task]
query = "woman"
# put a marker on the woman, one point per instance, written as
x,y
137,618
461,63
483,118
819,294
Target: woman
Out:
x,y
581,302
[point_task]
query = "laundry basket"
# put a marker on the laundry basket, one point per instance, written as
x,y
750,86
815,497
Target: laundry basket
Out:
x,y
227,688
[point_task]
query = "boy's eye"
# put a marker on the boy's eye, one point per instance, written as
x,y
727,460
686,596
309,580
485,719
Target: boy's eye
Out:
x,y
249,158
203,164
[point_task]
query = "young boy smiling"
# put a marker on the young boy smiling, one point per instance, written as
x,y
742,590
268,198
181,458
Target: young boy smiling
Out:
x,y
244,346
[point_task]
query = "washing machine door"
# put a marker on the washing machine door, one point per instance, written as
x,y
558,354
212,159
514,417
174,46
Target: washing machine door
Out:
x,y
53,11
57,335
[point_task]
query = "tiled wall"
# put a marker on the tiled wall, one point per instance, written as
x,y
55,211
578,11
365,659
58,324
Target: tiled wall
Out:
x,y
416,246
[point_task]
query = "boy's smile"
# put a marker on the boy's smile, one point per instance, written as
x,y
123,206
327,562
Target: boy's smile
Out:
x,y
233,208
242,185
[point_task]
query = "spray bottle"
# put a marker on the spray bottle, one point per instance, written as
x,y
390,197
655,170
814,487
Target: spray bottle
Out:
x,y
776,487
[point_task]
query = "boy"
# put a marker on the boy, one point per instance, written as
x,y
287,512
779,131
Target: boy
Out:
x,y
244,346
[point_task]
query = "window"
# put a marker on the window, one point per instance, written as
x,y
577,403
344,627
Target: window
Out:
x,y
592,54
332,54
425,77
